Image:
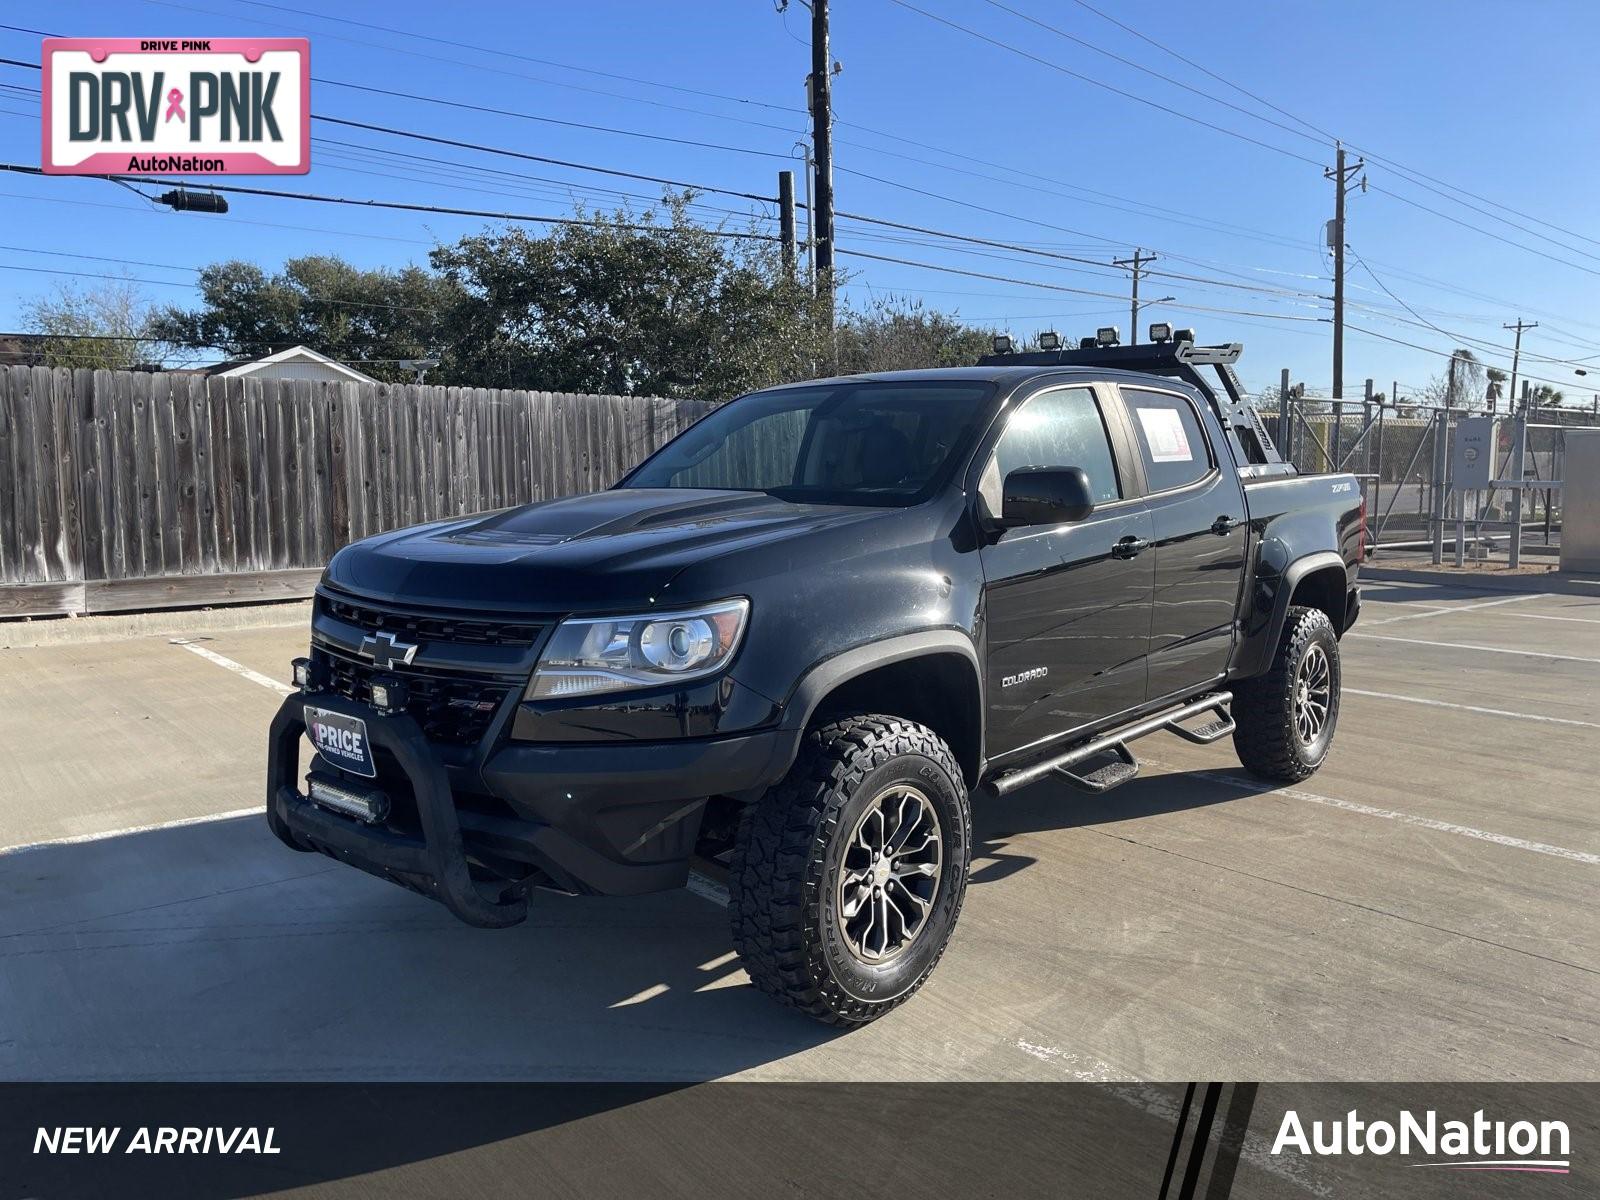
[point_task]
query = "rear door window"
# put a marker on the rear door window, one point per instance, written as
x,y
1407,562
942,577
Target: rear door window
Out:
x,y
1171,440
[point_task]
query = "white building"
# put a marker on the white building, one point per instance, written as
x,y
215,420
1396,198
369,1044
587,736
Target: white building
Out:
x,y
297,362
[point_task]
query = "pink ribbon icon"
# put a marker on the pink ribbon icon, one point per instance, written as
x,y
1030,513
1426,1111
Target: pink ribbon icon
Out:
x,y
175,106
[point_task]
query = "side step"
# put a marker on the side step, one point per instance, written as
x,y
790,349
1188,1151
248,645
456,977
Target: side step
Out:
x,y
1103,779
1211,731
1116,742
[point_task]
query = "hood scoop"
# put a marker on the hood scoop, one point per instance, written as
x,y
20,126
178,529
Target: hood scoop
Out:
x,y
491,536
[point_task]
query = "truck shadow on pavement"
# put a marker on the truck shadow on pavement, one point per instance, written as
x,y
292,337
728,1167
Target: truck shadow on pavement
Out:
x,y
208,951
1053,805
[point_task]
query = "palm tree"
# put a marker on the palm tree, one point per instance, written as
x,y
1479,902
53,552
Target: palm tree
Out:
x,y
1497,379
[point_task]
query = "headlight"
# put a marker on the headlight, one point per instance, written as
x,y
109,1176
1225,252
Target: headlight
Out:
x,y
590,656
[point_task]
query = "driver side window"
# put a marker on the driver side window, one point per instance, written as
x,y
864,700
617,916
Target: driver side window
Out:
x,y
1062,428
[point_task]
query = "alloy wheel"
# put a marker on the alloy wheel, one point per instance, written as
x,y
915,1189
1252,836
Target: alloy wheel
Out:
x,y
890,874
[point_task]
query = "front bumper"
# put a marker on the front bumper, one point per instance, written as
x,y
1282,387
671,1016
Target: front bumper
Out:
x,y
613,819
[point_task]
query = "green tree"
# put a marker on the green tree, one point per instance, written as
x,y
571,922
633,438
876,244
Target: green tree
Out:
x,y
368,318
107,326
898,333
1545,396
650,304
1497,384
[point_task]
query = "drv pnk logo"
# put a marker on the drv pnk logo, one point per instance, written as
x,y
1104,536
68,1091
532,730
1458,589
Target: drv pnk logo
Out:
x,y
206,106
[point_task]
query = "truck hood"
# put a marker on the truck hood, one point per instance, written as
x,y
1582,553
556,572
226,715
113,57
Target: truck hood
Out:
x,y
601,552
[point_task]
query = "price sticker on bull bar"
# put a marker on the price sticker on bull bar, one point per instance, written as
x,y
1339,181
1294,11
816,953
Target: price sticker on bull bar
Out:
x,y
193,106
341,740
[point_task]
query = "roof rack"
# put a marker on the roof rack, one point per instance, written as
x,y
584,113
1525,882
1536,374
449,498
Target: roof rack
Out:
x,y
1148,356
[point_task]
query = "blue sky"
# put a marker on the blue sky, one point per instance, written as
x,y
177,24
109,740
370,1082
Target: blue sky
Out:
x,y
1495,99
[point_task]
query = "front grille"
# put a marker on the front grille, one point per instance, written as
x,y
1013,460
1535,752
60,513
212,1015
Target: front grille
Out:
x,y
449,708
431,627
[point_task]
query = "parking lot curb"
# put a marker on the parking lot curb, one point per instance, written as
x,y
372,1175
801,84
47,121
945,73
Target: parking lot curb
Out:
x,y
75,631
1559,582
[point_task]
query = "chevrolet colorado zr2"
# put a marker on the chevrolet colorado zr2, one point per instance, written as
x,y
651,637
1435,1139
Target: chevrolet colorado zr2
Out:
x,y
804,636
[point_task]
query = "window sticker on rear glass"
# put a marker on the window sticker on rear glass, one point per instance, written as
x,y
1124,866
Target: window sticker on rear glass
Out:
x,y
1165,435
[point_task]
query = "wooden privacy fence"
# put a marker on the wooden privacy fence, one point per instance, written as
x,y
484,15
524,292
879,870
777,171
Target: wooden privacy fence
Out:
x,y
124,490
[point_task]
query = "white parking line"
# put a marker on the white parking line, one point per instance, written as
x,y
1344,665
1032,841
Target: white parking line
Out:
x,y
1488,712
1440,612
1482,835
700,885
1380,637
78,839
227,664
1553,617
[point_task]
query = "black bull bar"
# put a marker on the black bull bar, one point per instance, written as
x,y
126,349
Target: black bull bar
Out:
x,y
434,864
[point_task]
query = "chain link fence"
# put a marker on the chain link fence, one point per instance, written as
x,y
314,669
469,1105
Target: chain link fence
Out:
x,y
1402,457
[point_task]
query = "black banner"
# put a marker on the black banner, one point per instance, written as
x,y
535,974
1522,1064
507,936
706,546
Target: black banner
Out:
x,y
1154,1141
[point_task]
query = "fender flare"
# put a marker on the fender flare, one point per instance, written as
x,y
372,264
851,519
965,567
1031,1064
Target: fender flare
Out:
x,y
1283,591
825,676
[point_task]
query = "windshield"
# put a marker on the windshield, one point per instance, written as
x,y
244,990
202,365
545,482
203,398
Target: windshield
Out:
x,y
840,443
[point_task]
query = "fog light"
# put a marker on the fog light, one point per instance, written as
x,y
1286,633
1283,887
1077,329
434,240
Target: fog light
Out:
x,y
389,696
371,807
1161,332
1183,335
309,675
1002,343
1050,340
1107,335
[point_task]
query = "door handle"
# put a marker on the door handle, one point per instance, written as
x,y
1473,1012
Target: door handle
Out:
x,y
1129,547
1225,524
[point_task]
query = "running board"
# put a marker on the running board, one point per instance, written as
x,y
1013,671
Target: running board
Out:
x,y
1116,742
1114,774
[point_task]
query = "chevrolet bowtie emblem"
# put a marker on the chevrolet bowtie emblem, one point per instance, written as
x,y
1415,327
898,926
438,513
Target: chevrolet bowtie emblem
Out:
x,y
386,653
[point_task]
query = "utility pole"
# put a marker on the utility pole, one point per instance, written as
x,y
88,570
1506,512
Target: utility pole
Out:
x,y
820,96
1516,356
1137,263
811,215
1285,429
786,220
1340,173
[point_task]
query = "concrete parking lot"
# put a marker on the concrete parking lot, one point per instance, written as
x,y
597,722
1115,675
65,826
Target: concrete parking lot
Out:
x,y
1424,908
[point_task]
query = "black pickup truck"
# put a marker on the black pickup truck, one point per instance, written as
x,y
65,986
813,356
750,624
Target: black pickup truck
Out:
x,y
800,639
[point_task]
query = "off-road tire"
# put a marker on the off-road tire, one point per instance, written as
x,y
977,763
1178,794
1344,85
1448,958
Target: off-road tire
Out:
x,y
781,886
1266,737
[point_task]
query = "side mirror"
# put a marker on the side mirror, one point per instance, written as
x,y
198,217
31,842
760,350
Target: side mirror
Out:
x,y
1045,496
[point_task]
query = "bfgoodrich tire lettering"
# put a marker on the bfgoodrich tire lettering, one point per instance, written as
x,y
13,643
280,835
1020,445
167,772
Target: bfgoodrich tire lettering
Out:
x,y
790,854
1286,717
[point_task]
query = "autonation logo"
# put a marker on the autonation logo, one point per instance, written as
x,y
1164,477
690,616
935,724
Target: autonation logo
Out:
x,y
1476,1145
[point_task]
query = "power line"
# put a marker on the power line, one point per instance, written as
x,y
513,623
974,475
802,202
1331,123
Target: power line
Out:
x,y
1485,232
1448,333
1104,16
1099,83
1441,353
1056,287
497,150
234,188
1411,174
366,44
526,116
545,62
1151,71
